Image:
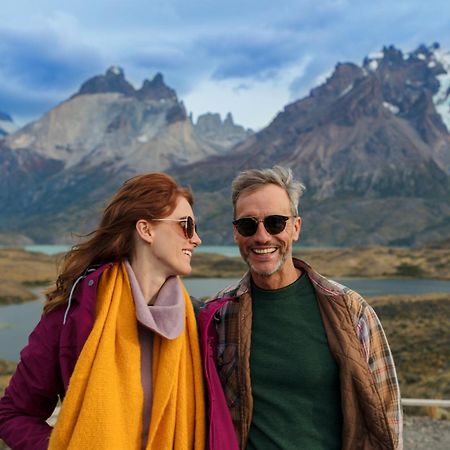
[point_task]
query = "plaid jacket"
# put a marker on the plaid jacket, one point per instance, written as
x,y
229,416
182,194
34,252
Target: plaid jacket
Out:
x,y
370,395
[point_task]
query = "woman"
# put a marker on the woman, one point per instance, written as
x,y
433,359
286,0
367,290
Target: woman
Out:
x,y
117,340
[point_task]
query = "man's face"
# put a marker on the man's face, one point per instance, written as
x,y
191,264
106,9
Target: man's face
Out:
x,y
269,257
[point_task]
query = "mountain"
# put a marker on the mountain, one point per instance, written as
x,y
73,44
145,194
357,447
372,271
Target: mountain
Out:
x,y
222,134
63,165
7,125
372,146
108,121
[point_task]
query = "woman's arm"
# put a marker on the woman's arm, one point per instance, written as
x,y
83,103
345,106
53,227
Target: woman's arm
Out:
x,y
33,391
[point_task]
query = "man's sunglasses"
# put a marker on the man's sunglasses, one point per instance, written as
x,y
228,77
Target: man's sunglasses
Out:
x,y
247,226
187,223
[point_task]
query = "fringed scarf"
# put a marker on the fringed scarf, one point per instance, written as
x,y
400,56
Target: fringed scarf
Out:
x,y
103,405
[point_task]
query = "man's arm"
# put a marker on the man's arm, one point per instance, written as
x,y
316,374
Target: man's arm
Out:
x,y
381,364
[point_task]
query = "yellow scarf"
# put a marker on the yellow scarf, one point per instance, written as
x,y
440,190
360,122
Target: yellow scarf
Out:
x,y
103,405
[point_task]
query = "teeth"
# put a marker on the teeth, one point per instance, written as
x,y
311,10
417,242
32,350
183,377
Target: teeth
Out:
x,y
187,252
262,251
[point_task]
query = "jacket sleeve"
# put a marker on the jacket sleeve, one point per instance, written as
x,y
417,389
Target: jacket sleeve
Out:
x,y
33,391
381,365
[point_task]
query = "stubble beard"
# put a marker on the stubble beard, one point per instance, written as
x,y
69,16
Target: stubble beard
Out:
x,y
278,266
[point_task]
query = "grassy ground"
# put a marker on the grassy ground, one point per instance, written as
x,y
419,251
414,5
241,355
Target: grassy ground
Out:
x,y
19,270
380,262
418,332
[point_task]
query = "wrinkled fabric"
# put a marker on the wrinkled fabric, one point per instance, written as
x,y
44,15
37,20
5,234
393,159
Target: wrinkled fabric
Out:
x,y
221,433
371,403
104,403
47,363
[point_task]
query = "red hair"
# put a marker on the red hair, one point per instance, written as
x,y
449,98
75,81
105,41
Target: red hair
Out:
x,y
149,196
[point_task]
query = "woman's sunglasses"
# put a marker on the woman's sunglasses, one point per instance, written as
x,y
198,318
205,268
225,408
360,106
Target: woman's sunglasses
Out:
x,y
247,226
187,223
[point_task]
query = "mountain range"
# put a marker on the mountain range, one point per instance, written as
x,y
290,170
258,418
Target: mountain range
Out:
x,y
57,171
371,144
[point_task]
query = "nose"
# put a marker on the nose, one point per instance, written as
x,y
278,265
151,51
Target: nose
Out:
x,y
196,241
261,234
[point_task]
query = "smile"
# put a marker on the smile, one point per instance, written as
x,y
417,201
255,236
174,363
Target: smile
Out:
x,y
187,252
264,251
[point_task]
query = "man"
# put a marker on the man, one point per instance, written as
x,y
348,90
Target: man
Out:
x,y
292,360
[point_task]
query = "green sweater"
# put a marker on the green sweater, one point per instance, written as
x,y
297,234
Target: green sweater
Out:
x,y
295,380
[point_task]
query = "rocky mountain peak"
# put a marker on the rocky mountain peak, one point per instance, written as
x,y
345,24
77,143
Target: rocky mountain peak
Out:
x,y
342,79
392,55
156,89
229,120
113,81
223,134
379,115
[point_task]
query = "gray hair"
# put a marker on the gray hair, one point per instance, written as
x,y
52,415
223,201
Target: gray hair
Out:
x,y
252,179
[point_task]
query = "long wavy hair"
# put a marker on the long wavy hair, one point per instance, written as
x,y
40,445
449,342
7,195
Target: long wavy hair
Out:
x,y
149,196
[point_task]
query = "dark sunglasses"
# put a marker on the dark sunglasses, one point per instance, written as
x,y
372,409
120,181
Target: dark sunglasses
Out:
x,y
187,223
247,226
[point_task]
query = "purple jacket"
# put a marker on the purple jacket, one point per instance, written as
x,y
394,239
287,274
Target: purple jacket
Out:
x,y
45,367
222,435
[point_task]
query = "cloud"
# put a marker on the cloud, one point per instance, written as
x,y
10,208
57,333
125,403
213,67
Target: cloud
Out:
x,y
39,68
247,56
258,51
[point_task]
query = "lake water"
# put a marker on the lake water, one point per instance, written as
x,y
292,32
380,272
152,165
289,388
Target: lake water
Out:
x,y
17,321
226,250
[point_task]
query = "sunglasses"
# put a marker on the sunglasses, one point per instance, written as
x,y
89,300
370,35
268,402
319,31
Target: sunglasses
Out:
x,y
274,224
187,223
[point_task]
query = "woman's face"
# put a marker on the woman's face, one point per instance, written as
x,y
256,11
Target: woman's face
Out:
x,y
171,249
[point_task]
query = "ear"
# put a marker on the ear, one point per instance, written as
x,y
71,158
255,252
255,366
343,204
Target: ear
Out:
x,y
144,230
297,228
235,233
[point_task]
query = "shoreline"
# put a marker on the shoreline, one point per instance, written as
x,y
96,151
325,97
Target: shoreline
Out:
x,y
22,270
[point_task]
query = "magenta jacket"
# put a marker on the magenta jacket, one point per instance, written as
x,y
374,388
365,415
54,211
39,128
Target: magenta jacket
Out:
x,y
222,435
45,367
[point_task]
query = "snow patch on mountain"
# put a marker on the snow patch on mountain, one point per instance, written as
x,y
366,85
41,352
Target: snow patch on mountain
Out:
x,y
442,98
392,108
347,90
376,55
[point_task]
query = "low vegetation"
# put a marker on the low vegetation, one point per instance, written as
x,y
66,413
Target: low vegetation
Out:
x,y
380,262
417,330
21,270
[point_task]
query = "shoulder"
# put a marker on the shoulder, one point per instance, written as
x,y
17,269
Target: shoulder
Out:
x,y
329,287
84,287
219,302
354,302
50,324
218,307
232,291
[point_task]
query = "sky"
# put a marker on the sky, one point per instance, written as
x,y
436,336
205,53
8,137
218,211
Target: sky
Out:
x,y
250,58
